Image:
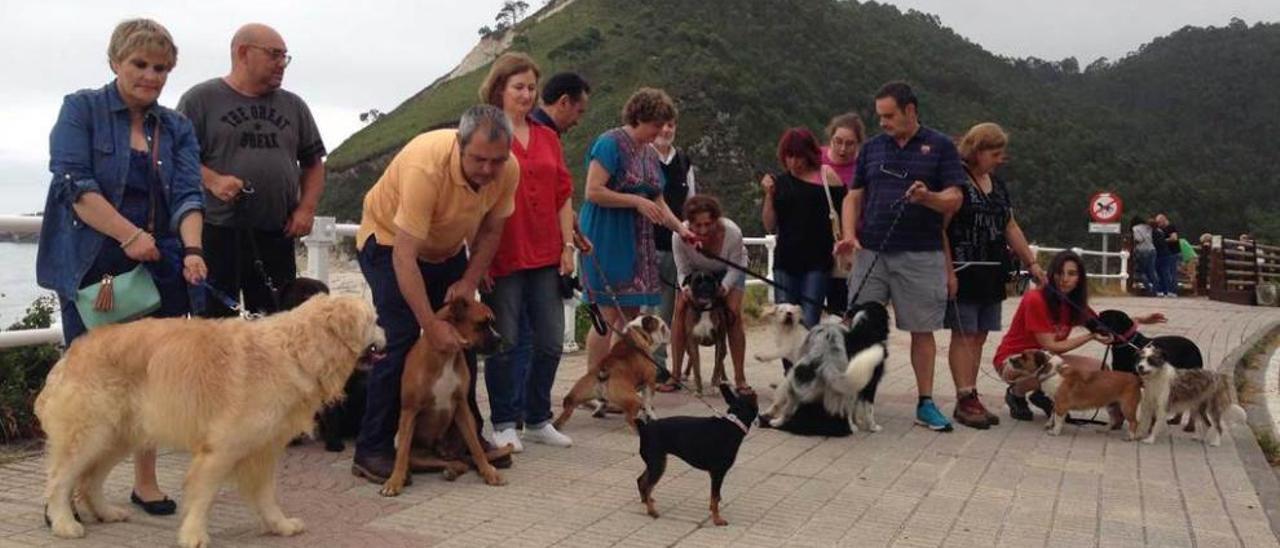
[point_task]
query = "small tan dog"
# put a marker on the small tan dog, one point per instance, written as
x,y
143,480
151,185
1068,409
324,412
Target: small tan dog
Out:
x,y
433,390
627,367
1081,390
232,392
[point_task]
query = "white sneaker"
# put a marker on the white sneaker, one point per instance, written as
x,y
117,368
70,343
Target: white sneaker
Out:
x,y
508,436
547,435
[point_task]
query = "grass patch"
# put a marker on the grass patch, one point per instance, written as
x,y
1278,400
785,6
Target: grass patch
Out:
x,y
1270,446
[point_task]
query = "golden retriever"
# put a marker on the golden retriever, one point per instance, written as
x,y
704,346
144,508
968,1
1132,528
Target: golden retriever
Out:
x,y
232,392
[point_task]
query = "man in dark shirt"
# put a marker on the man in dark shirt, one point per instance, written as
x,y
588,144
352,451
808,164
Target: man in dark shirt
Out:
x,y
564,101
1172,256
904,181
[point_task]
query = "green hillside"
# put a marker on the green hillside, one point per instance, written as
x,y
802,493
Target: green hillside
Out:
x,y
1185,125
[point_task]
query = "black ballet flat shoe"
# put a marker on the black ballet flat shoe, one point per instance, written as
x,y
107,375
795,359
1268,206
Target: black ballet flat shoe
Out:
x,y
162,507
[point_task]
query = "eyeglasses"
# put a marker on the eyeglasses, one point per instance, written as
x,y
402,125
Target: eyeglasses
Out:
x,y
276,54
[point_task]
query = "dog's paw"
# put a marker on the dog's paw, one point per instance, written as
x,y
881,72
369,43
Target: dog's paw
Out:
x,y
719,521
453,471
68,529
875,428
112,514
193,539
776,422
287,527
492,477
392,488
1149,440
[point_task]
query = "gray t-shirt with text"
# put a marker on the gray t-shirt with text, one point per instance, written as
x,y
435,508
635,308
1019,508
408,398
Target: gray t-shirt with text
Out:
x,y
262,140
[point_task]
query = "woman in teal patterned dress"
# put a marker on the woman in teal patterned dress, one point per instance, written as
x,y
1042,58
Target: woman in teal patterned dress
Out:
x,y
624,201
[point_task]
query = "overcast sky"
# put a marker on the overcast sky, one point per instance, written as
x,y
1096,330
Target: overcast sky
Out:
x,y
353,56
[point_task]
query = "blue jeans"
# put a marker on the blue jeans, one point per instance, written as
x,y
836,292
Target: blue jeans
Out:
x,y
1168,266
525,392
382,407
807,289
1146,267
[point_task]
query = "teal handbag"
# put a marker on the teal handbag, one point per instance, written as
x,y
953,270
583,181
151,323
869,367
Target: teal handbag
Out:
x,y
126,296
116,299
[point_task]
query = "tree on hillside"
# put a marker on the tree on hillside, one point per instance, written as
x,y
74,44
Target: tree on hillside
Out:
x,y
511,13
372,115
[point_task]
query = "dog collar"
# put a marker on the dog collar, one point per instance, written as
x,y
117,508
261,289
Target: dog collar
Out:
x,y
1128,335
736,422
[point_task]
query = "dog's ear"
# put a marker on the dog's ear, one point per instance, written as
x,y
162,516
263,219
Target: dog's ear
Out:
x,y
727,392
686,281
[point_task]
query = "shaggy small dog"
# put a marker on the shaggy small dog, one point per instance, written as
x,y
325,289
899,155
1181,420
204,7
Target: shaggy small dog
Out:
x,y
1166,389
788,335
841,367
230,391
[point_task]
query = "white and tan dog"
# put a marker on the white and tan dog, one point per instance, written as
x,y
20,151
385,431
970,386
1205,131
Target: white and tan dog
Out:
x,y
1207,395
232,392
788,334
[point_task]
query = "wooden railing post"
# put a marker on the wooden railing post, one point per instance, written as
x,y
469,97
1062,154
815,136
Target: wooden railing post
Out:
x,y
1217,270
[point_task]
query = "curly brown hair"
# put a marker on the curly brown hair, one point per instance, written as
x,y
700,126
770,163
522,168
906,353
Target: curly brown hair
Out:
x,y
701,203
504,67
648,105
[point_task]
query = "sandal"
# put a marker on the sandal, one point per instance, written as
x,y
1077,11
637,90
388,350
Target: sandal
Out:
x,y
162,507
668,387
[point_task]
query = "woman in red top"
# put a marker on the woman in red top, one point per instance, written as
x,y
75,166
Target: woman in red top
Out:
x,y
1044,321
536,249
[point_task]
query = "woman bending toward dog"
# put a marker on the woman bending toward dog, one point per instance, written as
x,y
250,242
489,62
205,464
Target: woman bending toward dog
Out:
x,y
1044,321
721,237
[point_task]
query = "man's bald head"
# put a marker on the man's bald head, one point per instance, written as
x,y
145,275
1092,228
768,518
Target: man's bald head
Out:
x,y
254,33
258,58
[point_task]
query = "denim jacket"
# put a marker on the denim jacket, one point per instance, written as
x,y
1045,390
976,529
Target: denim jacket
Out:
x,y
89,152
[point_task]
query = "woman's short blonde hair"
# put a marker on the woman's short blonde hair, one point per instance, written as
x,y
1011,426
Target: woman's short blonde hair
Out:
x,y
504,67
134,34
648,105
981,138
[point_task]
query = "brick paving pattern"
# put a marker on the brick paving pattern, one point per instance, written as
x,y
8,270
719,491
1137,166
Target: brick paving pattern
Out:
x,y
906,486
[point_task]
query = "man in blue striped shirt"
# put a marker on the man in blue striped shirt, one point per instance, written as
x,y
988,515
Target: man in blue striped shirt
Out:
x,y
904,181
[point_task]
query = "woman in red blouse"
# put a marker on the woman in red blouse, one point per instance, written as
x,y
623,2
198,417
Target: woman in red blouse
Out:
x,y
536,249
1044,321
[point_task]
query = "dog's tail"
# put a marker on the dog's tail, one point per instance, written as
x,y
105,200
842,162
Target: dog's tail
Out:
x,y
866,368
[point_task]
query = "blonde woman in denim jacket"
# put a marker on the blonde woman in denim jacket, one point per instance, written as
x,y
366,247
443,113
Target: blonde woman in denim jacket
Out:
x,y
122,165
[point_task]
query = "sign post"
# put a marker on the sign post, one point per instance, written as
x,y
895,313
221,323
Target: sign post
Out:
x,y
1105,209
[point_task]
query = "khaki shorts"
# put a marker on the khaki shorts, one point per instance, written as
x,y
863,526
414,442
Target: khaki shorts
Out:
x,y
914,281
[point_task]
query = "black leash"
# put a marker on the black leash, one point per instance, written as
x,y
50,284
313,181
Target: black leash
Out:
x,y
747,270
245,231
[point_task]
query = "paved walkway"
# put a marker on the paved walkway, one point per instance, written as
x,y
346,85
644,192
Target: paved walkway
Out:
x,y
905,486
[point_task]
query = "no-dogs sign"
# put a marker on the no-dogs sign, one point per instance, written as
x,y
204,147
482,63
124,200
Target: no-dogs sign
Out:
x,y
1105,207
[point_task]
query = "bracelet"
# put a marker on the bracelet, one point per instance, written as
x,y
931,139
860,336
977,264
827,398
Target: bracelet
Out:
x,y
569,245
131,239
193,250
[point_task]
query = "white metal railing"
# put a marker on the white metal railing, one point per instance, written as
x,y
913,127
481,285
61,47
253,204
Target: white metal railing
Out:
x,y
326,232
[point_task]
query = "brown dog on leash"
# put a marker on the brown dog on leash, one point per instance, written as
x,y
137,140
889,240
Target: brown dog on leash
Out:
x,y
704,321
627,367
434,389
1081,390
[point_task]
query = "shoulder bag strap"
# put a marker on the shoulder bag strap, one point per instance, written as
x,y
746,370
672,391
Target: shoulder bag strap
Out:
x,y
831,205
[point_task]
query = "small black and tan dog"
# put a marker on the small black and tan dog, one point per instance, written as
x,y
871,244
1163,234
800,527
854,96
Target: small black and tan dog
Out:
x,y
340,420
706,443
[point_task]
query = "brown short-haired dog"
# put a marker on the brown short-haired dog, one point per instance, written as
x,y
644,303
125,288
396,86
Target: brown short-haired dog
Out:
x,y
1091,390
626,368
434,389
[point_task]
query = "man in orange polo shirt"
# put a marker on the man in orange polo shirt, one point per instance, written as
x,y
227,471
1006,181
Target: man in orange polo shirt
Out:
x,y
444,192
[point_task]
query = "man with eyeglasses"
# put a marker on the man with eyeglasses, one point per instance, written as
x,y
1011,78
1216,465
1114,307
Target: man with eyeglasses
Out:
x,y
904,181
261,162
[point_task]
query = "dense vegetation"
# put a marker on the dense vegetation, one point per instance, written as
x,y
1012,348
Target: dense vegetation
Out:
x,y
1185,125
22,374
